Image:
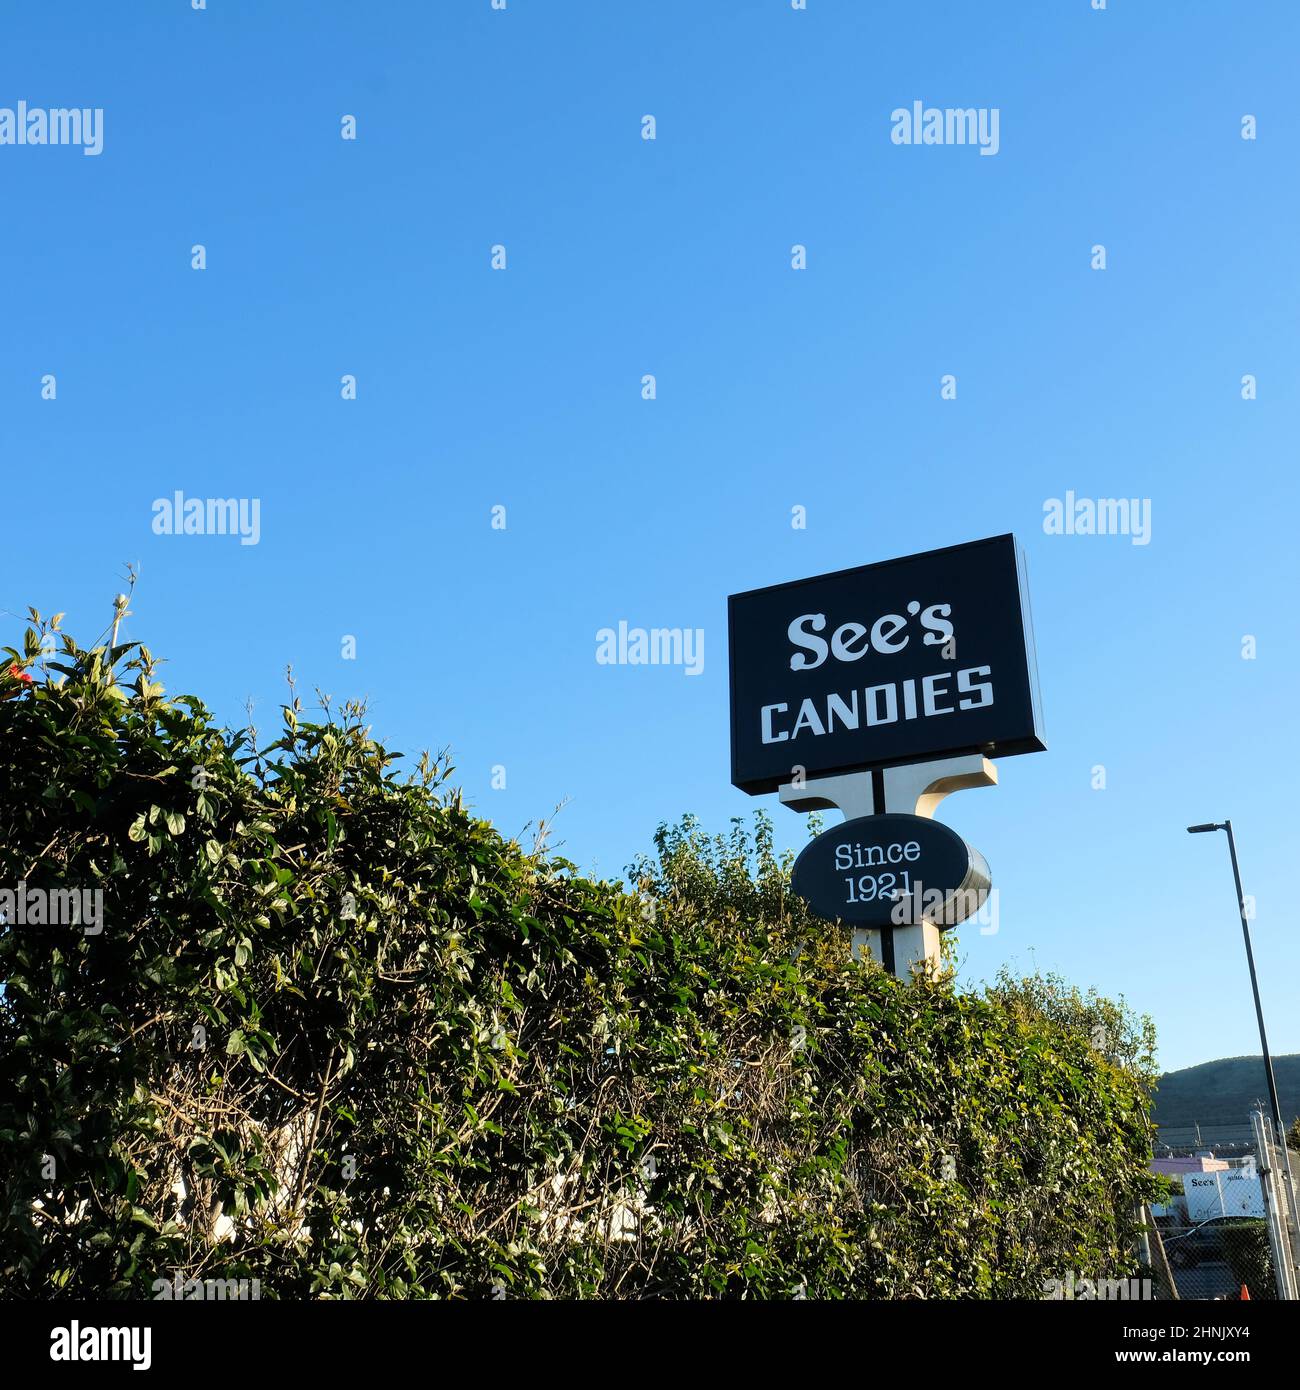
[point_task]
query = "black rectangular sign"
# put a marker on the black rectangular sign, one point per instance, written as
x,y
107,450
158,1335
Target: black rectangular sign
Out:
x,y
923,657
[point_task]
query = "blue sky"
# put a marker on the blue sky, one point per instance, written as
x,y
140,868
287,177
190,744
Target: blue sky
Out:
x,y
775,388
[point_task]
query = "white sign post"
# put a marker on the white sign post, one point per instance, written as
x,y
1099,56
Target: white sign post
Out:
x,y
912,789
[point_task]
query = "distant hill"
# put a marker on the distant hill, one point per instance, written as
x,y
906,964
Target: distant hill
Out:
x,y
1225,1092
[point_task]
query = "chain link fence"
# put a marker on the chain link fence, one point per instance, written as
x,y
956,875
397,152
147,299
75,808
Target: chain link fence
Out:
x,y
1247,1247
1215,1259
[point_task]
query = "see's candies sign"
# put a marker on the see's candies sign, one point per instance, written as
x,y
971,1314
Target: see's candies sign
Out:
x,y
923,657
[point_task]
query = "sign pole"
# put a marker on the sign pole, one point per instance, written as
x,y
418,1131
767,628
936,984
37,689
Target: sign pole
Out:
x,y
912,789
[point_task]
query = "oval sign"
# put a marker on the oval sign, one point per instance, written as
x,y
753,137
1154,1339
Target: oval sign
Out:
x,y
892,871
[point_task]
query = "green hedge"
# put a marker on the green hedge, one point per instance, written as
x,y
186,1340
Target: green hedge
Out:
x,y
339,1036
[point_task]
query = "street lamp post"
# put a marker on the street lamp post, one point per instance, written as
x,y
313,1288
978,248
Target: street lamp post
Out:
x,y
1259,1008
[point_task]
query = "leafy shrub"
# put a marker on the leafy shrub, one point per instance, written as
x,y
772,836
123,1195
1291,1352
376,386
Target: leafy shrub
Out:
x,y
338,1035
1249,1255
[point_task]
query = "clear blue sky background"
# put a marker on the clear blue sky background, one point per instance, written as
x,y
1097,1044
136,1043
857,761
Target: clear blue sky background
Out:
x,y
776,388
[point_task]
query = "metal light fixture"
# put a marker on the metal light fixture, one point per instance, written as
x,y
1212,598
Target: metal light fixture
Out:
x,y
1254,985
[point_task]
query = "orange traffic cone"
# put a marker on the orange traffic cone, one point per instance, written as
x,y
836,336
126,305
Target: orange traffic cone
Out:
x,y
1245,1294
